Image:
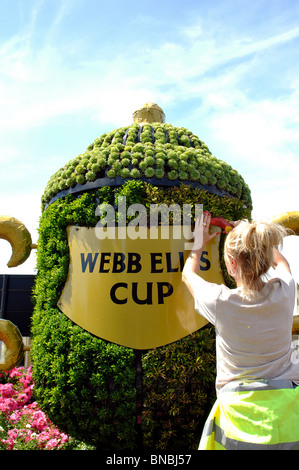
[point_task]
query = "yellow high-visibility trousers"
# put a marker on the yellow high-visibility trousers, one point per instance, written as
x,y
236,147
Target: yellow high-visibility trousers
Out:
x,y
262,415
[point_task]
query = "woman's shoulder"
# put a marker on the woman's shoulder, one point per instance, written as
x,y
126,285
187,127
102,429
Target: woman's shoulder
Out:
x,y
279,275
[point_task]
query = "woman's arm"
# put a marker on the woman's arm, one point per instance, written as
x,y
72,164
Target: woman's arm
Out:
x,y
201,238
279,261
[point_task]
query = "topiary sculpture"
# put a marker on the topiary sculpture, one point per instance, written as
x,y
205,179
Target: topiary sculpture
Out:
x,y
107,394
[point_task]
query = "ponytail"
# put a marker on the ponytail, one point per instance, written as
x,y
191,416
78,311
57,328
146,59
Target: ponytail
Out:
x,y
251,245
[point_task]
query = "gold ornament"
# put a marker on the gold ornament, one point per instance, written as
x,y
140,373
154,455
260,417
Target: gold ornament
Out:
x,y
15,348
15,232
149,113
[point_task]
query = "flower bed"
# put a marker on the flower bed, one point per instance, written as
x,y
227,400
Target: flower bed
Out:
x,y
23,425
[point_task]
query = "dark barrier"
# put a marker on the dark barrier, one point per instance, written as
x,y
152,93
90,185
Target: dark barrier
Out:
x,y
15,300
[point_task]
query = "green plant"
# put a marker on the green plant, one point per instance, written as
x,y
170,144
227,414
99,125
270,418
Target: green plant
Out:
x,y
179,389
87,385
159,150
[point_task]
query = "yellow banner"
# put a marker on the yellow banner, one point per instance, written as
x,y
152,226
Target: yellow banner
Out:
x,y
130,292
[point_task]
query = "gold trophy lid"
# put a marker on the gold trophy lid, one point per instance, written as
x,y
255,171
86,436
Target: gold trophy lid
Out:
x,y
149,113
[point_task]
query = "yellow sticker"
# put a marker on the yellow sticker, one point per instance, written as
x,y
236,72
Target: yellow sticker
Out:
x,y
130,291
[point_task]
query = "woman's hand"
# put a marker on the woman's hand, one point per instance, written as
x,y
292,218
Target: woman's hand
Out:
x,y
201,238
202,234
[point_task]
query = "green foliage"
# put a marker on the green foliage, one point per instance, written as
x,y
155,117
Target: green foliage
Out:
x,y
87,386
179,388
157,150
84,384
137,191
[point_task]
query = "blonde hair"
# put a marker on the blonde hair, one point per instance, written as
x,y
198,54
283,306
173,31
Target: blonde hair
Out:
x,y
251,245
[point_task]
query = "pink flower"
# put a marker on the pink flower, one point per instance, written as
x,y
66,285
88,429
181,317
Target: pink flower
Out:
x,y
42,438
16,372
22,398
29,423
28,438
15,416
40,424
51,444
33,405
6,390
13,433
9,443
64,438
7,405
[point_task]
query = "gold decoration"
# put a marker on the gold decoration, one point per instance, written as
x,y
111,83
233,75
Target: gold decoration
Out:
x,y
19,237
149,113
137,282
15,348
289,220
295,329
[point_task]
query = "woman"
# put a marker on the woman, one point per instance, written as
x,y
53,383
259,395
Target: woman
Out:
x,y
257,404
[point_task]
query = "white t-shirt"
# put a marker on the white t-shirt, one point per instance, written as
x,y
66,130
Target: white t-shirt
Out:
x,y
253,337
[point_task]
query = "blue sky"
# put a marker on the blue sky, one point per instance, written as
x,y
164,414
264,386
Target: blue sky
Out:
x,y
71,70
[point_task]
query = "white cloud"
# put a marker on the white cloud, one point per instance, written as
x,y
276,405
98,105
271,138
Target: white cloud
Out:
x,y
260,140
259,136
43,85
37,86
